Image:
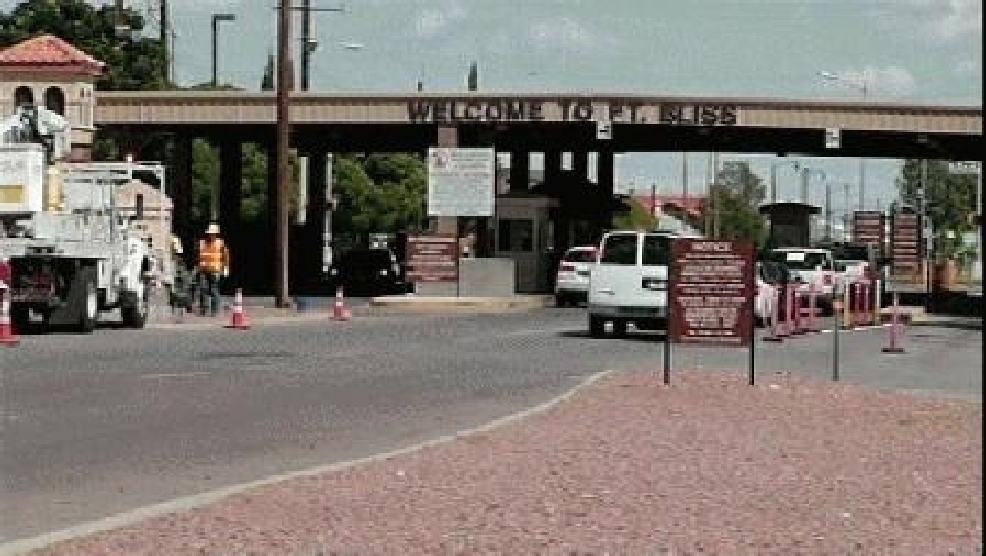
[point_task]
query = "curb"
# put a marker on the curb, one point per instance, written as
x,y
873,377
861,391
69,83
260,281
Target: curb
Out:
x,y
23,546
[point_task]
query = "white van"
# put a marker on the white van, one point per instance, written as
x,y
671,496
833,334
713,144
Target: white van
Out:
x,y
630,282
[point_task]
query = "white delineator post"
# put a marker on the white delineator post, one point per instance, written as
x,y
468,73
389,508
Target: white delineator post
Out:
x,y
775,303
812,305
7,335
895,331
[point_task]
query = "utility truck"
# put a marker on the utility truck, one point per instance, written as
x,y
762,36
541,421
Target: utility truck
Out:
x,y
68,252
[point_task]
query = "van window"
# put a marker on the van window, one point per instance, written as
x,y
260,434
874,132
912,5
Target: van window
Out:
x,y
657,250
620,249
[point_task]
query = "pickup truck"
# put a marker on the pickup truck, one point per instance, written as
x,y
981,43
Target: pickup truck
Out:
x,y
814,268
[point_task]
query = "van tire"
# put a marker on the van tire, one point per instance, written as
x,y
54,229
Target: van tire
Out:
x,y
596,326
619,328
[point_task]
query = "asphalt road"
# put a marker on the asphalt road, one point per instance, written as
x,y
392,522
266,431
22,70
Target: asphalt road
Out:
x,y
97,425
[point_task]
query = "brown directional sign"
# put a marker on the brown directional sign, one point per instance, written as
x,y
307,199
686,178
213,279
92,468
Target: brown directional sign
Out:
x,y
432,258
905,238
712,289
867,227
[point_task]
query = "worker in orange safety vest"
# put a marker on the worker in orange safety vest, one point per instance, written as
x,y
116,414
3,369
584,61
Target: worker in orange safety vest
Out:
x,y
213,266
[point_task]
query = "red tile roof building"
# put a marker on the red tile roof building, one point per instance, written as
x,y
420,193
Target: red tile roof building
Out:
x,y
50,72
50,54
694,205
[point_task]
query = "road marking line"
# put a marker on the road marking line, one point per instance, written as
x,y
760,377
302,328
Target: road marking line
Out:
x,y
176,375
185,503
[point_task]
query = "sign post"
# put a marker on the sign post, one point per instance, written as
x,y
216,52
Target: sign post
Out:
x,y
712,291
905,239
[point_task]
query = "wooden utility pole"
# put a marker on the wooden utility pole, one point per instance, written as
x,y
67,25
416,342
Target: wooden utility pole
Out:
x,y
281,244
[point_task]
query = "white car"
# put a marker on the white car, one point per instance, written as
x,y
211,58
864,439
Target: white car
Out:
x,y
629,284
572,280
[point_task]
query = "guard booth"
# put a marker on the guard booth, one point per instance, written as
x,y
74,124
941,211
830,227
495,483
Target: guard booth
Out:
x,y
790,223
524,234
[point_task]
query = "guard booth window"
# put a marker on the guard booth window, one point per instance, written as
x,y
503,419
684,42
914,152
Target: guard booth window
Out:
x,y
516,235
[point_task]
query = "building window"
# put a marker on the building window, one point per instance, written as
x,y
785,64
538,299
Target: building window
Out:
x,y
55,100
516,235
23,95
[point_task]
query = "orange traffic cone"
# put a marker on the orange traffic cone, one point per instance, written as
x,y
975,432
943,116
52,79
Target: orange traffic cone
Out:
x,y
239,319
8,337
339,310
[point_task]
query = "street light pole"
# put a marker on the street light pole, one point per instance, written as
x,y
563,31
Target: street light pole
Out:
x,y
216,18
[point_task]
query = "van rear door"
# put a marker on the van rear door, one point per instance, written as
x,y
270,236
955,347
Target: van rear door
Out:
x,y
632,274
615,279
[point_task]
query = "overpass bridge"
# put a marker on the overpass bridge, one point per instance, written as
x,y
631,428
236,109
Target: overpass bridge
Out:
x,y
549,123
559,121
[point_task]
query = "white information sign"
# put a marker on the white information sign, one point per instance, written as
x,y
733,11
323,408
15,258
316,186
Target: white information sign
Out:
x,y
460,181
964,167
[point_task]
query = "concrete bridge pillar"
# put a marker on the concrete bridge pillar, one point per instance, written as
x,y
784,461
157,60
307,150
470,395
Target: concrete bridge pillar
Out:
x,y
181,194
580,164
604,170
311,244
230,200
552,165
520,171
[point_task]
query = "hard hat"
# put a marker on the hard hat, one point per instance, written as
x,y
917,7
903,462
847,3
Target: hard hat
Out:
x,y
212,229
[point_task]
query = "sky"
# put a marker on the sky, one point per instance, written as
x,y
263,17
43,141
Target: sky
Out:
x,y
926,51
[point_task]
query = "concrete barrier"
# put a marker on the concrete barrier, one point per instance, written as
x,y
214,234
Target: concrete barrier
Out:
x,y
457,305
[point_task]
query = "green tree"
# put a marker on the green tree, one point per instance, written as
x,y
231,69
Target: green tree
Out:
x,y
736,196
949,197
133,62
637,218
379,192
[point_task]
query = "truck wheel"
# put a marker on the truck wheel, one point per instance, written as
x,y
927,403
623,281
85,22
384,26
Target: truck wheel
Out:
x,y
620,328
88,310
596,326
135,314
20,317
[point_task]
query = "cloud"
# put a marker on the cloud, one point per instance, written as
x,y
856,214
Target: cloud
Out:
x,y
948,20
968,66
568,34
432,21
890,80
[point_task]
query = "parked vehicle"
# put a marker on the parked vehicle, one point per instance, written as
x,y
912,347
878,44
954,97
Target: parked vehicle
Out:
x,y
572,280
814,268
368,272
629,284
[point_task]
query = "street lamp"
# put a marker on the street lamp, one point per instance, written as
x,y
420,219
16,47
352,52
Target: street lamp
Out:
x,y
216,18
308,44
862,86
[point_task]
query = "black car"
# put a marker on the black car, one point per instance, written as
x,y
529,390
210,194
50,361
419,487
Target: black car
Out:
x,y
368,272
